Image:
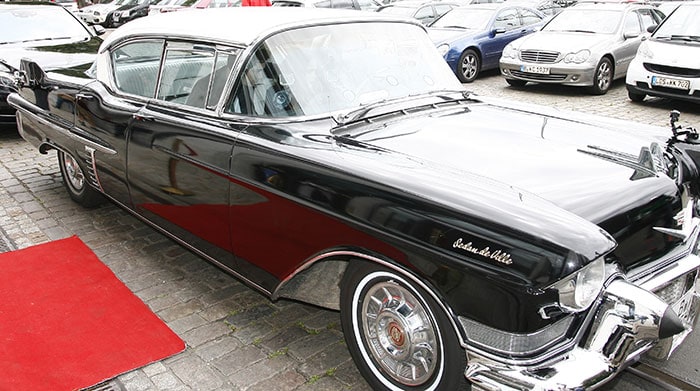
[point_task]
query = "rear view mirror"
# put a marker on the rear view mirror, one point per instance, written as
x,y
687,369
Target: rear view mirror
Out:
x,y
32,74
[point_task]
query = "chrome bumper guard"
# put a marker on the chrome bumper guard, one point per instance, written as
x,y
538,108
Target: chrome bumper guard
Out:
x,y
629,322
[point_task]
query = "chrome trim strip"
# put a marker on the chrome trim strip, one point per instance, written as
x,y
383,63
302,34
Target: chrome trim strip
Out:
x,y
656,280
190,247
66,132
384,263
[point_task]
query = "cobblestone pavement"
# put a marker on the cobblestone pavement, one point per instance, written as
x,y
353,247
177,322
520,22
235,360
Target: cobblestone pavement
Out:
x,y
236,338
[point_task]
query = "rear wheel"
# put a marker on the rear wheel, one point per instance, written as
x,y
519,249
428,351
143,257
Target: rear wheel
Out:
x,y
398,336
469,66
76,183
602,78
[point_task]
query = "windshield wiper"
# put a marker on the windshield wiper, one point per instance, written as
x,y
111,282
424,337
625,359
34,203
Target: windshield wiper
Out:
x,y
687,38
453,27
363,110
579,31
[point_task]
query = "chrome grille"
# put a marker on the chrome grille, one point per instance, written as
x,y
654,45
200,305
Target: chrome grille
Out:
x,y
539,56
537,76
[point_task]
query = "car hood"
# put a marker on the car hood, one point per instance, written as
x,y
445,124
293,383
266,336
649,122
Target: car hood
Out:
x,y
602,175
441,35
560,41
66,55
675,53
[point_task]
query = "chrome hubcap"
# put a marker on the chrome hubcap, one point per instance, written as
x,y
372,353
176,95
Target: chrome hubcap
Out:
x,y
469,67
400,333
73,172
604,76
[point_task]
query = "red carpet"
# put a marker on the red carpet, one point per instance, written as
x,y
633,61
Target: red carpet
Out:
x,y
67,322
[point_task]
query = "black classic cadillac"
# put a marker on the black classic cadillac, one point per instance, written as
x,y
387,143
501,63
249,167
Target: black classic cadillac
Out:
x,y
332,157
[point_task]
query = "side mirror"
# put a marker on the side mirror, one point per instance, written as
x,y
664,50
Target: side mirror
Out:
x,y
99,30
32,74
498,31
630,34
652,28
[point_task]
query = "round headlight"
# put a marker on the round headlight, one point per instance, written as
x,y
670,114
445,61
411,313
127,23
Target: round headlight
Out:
x,y
579,57
578,291
443,49
510,51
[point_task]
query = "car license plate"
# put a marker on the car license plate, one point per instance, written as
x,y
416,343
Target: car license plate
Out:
x,y
535,69
670,83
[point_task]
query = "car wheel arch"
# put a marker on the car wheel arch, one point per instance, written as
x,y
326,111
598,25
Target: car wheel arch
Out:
x,y
332,266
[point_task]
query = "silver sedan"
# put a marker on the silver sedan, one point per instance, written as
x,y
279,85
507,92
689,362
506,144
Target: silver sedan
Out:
x,y
589,44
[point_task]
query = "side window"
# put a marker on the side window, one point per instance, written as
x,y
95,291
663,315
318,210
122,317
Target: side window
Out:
x,y
529,17
136,67
184,65
441,9
424,14
647,19
261,90
507,20
632,23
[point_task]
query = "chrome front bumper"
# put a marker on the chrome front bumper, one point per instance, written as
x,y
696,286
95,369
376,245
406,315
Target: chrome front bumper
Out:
x,y
629,321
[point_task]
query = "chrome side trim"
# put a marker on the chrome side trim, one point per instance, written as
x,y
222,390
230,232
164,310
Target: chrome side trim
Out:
x,y
389,265
65,132
191,248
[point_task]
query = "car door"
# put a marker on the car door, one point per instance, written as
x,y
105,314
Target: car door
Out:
x,y
179,150
629,41
107,111
506,27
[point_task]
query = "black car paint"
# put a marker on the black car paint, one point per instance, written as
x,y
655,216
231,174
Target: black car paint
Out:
x,y
274,171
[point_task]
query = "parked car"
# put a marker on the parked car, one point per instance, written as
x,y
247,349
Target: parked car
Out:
x,y
170,5
47,33
550,249
70,5
97,13
425,11
202,4
128,11
668,64
471,38
365,5
588,44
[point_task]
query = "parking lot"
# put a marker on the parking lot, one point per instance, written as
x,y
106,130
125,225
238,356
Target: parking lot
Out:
x,y
236,338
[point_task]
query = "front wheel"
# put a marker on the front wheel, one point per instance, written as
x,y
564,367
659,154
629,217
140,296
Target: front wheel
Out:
x,y
76,183
602,78
469,66
398,336
636,97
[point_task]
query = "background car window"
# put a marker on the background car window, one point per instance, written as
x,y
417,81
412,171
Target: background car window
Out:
x,y
136,67
442,8
528,17
424,14
507,19
632,23
647,19
182,68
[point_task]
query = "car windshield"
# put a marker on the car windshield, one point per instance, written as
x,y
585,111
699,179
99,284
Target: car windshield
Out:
x,y
682,24
325,69
585,20
466,18
33,24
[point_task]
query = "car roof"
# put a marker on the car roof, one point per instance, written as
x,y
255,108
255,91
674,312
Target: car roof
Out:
x,y
25,4
251,23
